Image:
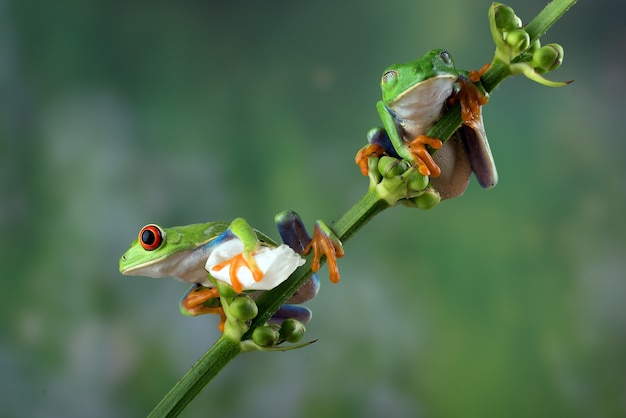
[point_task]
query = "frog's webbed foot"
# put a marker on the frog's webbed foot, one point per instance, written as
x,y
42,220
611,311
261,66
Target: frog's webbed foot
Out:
x,y
425,163
365,153
243,259
325,243
471,98
195,303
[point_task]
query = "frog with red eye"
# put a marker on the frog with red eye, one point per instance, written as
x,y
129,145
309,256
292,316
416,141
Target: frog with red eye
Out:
x,y
182,252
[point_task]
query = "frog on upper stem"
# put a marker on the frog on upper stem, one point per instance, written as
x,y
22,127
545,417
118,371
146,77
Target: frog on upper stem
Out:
x,y
182,252
414,97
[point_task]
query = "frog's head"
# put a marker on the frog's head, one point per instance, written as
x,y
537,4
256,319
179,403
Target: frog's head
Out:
x,y
179,251
401,80
152,246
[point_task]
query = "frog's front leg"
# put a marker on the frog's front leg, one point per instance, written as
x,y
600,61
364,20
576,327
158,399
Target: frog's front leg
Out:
x,y
324,241
470,97
242,230
425,163
415,150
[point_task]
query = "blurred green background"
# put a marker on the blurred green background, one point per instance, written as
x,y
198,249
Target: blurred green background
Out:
x,y
114,114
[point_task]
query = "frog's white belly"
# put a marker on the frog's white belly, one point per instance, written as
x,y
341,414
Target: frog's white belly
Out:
x,y
417,109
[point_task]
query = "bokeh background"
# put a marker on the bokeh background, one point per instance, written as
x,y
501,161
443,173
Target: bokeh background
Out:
x,y
114,114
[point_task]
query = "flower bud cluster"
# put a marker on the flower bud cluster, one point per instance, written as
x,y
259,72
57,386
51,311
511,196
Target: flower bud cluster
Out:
x,y
241,309
516,49
291,330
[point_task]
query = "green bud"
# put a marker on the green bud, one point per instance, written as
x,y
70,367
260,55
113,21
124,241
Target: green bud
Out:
x,y
225,290
292,330
417,181
427,200
518,39
243,308
372,169
265,336
391,167
505,18
534,46
548,58
372,163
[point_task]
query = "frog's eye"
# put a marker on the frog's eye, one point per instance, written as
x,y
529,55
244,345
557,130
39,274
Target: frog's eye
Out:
x,y
445,57
150,237
389,76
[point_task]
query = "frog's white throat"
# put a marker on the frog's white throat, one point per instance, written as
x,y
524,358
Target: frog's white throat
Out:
x,y
421,105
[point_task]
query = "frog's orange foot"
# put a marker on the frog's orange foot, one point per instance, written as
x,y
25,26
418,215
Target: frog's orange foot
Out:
x,y
194,303
475,75
471,98
325,243
365,153
243,259
425,163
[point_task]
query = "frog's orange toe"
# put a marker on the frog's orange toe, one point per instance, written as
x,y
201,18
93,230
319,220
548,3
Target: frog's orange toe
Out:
x,y
475,75
193,302
425,163
471,99
243,259
365,153
324,245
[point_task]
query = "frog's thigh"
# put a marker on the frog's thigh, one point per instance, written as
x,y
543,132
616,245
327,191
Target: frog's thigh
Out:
x,y
455,168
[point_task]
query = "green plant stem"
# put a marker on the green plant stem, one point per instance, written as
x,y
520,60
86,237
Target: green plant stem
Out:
x,y
345,227
496,73
548,16
361,213
358,215
205,369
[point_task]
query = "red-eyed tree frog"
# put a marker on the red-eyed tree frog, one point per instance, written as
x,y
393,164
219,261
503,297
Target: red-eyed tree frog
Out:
x,y
414,97
183,252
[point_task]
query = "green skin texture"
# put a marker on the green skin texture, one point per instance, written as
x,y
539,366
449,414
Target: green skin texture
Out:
x,y
182,253
414,98
415,91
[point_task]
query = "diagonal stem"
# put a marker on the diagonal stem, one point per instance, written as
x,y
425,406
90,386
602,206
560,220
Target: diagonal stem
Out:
x,y
205,369
226,349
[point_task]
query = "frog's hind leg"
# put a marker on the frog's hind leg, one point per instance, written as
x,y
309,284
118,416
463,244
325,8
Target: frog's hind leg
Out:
x,y
325,244
201,300
300,313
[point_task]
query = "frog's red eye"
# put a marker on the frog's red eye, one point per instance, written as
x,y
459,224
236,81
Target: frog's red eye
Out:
x,y
150,237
